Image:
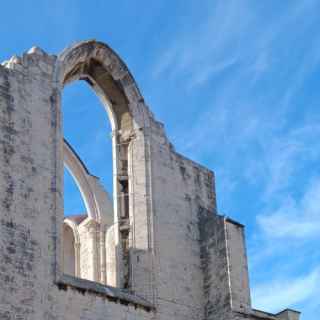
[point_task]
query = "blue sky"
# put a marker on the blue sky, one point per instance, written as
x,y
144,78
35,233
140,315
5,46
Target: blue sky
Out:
x,y
236,84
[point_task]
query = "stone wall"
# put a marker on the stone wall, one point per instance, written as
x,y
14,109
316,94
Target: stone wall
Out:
x,y
175,257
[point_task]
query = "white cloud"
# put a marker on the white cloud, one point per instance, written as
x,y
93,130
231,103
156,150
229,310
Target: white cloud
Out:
x,y
165,62
203,75
197,52
280,292
232,32
295,219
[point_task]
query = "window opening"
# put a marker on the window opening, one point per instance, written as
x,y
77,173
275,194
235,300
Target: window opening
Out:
x,y
88,172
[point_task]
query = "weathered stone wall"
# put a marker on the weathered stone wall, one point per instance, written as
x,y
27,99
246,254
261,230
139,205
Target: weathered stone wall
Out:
x,y
29,217
238,267
27,189
182,256
179,187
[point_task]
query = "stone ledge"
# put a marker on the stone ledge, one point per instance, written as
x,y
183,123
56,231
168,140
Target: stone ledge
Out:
x,y
234,222
262,314
288,314
255,314
111,293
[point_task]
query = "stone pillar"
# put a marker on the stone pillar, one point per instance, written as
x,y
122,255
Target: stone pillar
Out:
x,y
237,266
102,247
90,251
111,272
77,258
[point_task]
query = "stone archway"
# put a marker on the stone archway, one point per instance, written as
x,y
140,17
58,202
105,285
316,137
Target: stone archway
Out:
x,y
95,63
69,251
98,207
71,248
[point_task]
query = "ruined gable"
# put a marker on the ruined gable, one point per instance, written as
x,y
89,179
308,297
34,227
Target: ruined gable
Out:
x,y
161,251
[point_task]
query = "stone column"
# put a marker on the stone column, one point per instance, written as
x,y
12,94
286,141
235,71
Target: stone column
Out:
x,y
77,258
103,278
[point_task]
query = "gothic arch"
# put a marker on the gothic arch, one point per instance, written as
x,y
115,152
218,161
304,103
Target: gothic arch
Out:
x,y
98,65
74,228
95,206
76,236
71,252
106,73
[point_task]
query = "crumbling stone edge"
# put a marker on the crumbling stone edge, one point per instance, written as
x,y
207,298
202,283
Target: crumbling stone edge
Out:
x,y
111,293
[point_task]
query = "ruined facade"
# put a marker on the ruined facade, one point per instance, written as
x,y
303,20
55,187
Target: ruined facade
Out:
x,y
158,250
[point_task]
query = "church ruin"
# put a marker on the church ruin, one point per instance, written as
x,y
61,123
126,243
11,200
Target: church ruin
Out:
x,y
156,250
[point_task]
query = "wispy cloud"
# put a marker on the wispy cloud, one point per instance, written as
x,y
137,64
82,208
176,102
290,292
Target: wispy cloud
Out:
x,y
284,154
231,34
295,219
204,49
205,74
280,292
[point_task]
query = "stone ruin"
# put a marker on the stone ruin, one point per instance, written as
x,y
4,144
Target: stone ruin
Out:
x,y
157,249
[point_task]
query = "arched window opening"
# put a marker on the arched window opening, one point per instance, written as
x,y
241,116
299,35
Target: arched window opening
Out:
x,y
87,129
69,255
87,153
113,242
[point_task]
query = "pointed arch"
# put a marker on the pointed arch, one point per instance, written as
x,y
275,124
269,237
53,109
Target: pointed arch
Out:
x,y
98,208
70,250
96,63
